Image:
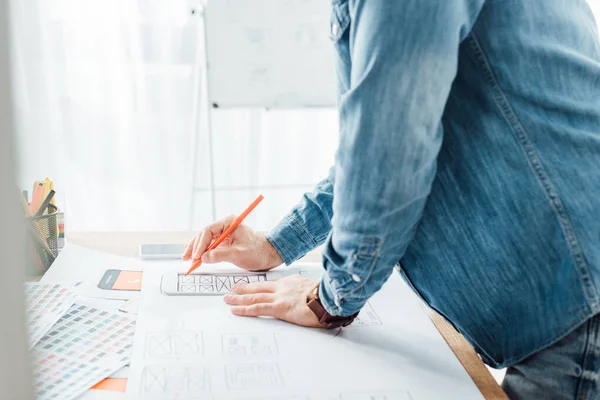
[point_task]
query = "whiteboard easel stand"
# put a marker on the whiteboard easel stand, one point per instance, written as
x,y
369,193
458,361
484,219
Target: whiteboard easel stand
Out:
x,y
201,102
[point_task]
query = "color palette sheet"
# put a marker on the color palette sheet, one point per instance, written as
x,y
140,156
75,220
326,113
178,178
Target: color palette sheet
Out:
x,y
85,346
46,303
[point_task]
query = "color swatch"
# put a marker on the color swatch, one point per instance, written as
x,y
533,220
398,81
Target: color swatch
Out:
x,y
85,346
46,303
128,280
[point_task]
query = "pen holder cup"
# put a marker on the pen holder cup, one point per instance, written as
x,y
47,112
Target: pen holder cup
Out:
x,y
42,241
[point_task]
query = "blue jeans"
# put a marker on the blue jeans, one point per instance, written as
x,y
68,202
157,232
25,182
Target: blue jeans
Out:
x,y
569,369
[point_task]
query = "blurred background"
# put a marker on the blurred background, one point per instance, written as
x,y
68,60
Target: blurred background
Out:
x,y
112,104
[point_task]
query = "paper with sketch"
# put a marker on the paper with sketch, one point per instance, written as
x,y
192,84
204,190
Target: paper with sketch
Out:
x,y
80,264
205,284
193,347
46,303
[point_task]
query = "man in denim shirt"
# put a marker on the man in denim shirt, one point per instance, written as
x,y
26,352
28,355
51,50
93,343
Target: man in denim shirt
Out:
x,y
469,161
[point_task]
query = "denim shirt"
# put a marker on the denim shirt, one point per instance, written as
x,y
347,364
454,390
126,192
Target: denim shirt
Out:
x,y
469,160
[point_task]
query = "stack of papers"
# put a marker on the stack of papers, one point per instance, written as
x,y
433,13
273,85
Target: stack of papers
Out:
x,y
45,305
192,347
74,346
85,346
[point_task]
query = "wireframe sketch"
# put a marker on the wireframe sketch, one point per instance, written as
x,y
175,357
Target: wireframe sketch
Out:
x,y
213,284
255,36
366,317
174,344
157,379
253,376
249,344
376,395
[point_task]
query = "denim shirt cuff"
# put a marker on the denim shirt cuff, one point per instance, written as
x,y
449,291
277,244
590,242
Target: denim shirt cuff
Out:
x,y
328,296
333,303
290,239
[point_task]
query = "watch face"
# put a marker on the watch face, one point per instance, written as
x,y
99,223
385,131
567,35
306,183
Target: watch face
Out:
x,y
315,291
313,294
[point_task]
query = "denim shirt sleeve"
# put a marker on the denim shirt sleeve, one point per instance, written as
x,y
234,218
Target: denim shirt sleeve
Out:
x,y
403,58
307,225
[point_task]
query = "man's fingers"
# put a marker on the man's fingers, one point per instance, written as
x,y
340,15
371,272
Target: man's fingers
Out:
x,y
195,244
187,251
205,238
248,299
256,310
251,288
221,254
202,243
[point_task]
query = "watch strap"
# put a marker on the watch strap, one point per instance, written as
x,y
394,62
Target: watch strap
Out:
x,y
327,320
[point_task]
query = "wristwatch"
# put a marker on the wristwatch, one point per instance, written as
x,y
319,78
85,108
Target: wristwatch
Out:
x,y
327,320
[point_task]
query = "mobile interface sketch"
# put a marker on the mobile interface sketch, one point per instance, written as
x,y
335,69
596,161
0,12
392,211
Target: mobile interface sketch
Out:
x,y
214,284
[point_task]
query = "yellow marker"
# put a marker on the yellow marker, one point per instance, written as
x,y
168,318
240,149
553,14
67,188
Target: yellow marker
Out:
x,y
48,185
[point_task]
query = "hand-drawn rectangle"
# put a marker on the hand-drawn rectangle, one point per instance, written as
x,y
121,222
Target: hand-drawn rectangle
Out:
x,y
174,345
253,376
175,379
249,344
366,317
213,284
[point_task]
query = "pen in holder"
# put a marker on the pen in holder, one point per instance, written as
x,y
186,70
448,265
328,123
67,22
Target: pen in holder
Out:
x,y
42,238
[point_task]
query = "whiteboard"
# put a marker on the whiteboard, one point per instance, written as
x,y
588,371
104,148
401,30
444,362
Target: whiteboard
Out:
x,y
270,53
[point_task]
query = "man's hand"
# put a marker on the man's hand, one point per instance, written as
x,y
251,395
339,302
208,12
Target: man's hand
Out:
x,y
284,299
243,247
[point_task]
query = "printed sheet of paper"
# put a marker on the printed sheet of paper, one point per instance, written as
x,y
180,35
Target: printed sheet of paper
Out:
x,y
192,347
46,303
80,264
85,346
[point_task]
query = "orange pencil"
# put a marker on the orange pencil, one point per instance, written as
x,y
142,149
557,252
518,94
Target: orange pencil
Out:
x,y
231,228
36,198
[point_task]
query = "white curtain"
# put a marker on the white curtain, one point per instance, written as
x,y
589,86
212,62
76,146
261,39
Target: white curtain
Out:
x,y
281,154
105,103
105,107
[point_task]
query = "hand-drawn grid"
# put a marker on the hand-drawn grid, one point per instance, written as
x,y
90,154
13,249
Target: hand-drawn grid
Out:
x,y
376,395
366,317
175,379
174,344
253,376
214,284
249,344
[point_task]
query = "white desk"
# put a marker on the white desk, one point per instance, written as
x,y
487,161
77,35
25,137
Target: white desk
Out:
x,y
127,244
